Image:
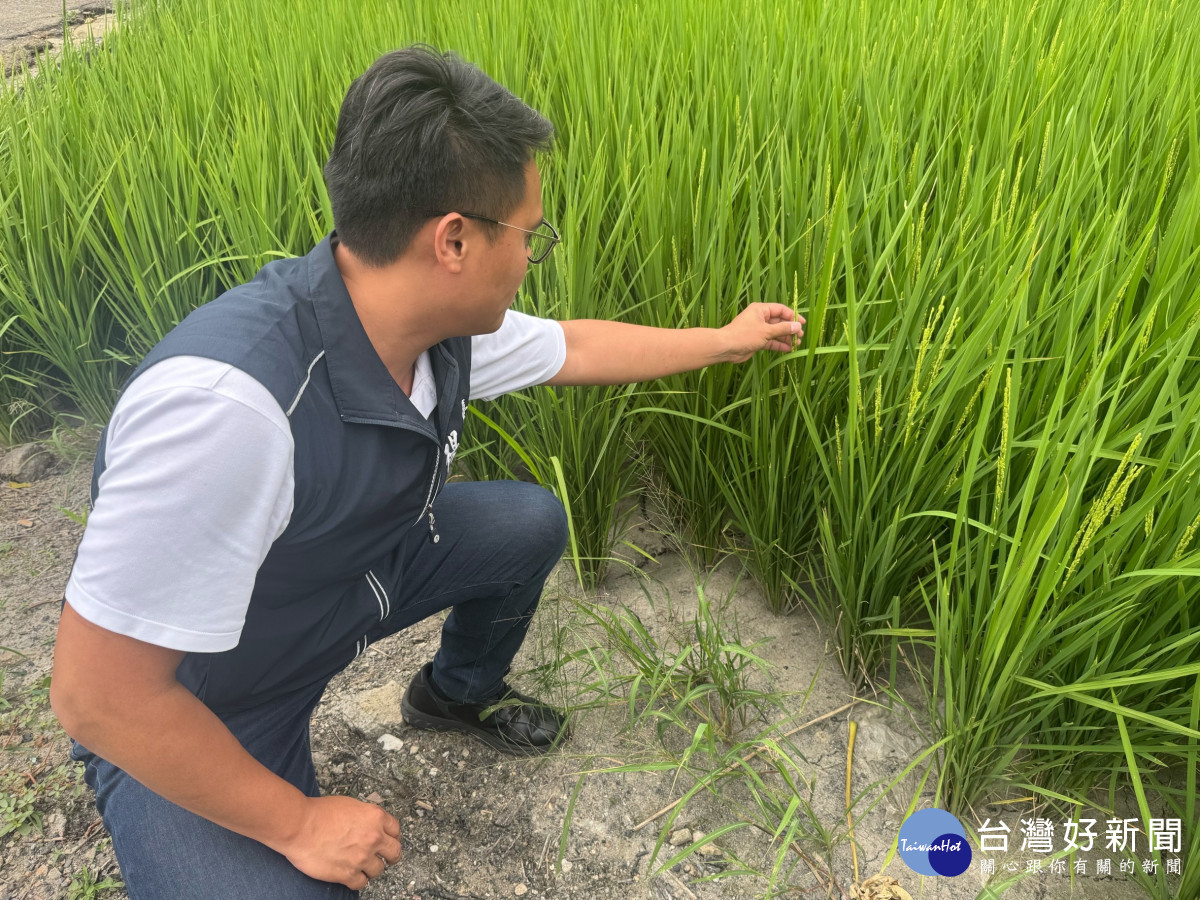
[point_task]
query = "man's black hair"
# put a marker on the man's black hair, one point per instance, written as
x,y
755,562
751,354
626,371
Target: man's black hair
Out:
x,y
423,132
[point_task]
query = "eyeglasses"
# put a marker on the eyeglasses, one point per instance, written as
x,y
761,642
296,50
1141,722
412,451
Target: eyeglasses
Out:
x,y
540,242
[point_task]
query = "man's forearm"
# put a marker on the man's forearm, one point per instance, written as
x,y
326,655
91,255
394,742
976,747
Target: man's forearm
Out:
x,y
119,697
603,352
178,748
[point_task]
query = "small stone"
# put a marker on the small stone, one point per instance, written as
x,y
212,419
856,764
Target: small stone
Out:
x,y
412,748
461,764
567,866
433,771
55,825
520,889
433,848
697,836
374,712
681,837
466,753
374,797
710,849
390,743
29,462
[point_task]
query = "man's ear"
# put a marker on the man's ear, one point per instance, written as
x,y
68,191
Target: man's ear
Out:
x,y
450,242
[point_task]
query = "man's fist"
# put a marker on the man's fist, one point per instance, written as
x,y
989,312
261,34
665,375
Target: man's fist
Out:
x,y
344,840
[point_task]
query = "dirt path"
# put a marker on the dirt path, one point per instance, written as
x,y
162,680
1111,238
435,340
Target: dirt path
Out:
x,y
32,27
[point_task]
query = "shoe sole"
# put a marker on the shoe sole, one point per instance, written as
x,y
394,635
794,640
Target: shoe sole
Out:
x,y
417,719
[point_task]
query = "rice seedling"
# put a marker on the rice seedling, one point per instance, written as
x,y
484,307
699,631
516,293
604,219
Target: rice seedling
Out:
x,y
720,740
701,675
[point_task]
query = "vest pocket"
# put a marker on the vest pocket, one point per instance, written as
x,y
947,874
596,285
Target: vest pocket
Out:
x,y
381,594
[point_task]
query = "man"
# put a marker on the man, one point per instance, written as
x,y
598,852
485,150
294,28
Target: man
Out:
x,y
269,499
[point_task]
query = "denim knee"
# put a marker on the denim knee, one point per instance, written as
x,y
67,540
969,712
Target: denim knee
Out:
x,y
543,522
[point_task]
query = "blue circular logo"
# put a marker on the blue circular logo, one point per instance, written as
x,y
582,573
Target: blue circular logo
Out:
x,y
933,842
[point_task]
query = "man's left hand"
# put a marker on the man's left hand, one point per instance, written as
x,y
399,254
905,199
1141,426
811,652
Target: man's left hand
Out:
x,y
762,326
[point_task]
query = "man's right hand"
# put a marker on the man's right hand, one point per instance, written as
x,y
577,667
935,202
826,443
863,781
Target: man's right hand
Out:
x,y
344,840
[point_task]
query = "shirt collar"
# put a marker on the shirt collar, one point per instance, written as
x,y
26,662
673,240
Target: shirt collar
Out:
x,y
363,388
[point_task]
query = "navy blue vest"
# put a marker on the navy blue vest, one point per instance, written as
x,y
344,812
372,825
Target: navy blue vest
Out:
x,y
367,469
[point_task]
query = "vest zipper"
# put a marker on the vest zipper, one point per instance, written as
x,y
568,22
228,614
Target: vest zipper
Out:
x,y
427,512
434,537
433,533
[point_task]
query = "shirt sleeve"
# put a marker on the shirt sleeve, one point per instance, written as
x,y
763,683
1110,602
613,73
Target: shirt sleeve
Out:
x,y
524,351
198,484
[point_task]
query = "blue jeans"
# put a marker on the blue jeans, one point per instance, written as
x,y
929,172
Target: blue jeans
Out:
x,y
499,542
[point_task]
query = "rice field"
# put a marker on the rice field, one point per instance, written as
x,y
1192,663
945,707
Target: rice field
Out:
x,y
983,455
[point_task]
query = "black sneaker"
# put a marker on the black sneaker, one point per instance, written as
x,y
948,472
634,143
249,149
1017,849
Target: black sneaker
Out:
x,y
513,723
